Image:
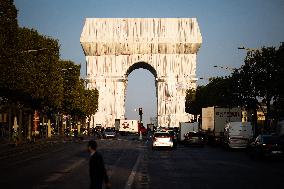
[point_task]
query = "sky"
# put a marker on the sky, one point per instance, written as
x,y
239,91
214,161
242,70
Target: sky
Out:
x,y
225,25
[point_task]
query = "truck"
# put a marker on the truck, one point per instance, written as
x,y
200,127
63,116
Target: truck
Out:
x,y
214,120
131,126
185,127
128,126
238,134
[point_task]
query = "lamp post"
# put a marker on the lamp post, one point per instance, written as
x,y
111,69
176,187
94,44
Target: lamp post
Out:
x,y
249,50
226,68
34,50
65,69
205,78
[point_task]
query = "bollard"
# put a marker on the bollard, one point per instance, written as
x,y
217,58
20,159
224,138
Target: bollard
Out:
x,y
140,135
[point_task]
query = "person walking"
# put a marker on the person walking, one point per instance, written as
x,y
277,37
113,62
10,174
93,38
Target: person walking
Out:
x,y
97,170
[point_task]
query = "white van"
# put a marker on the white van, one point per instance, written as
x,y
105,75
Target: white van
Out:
x,y
238,134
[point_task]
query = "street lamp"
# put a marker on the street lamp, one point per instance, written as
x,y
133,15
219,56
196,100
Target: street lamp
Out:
x,y
34,50
226,67
65,69
248,49
206,78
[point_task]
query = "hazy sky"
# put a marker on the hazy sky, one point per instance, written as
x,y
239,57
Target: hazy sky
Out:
x,y
224,24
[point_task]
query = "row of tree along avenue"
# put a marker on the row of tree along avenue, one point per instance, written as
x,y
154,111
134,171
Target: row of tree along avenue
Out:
x,y
39,93
257,86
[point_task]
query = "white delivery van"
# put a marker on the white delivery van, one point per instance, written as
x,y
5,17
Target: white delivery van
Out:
x,y
238,134
185,127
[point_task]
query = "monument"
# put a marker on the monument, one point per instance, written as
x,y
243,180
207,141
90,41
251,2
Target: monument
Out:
x,y
167,47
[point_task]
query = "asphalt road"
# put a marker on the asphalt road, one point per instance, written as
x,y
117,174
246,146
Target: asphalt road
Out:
x,y
207,167
66,165
132,164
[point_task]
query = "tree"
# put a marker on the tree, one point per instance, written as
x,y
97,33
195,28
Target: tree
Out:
x,y
190,100
78,102
278,104
32,76
195,100
220,91
71,86
8,41
260,80
91,103
38,73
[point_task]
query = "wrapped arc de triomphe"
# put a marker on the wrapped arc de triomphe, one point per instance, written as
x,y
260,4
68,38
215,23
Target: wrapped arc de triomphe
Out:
x,y
167,47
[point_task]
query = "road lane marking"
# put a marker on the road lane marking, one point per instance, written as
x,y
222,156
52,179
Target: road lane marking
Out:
x,y
111,168
58,175
133,172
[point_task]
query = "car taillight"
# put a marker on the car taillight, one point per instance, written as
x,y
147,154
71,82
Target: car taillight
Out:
x,y
267,145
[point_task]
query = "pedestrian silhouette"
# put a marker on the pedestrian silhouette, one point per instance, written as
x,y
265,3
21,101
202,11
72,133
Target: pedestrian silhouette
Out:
x,y
97,170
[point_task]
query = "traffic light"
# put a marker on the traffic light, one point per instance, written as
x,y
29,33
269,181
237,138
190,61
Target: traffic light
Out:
x,y
140,111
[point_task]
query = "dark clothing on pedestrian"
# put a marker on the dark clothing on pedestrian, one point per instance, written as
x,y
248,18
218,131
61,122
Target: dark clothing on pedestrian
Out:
x,y
98,174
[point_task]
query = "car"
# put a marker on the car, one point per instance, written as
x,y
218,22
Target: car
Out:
x,y
174,136
109,132
162,139
266,146
194,138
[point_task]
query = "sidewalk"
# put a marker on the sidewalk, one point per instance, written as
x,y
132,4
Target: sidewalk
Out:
x,y
4,143
9,150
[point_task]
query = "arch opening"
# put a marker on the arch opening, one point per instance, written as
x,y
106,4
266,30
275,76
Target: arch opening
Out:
x,y
142,65
145,97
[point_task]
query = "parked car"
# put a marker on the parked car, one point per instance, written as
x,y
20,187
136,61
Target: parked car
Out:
x,y
194,138
266,146
162,139
109,132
